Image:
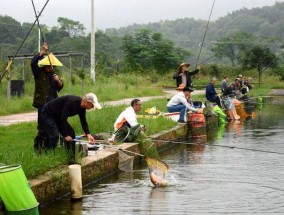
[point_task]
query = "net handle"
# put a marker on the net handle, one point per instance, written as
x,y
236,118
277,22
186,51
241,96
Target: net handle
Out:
x,y
113,147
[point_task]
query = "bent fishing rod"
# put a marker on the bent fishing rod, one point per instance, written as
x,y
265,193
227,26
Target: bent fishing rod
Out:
x,y
43,40
11,60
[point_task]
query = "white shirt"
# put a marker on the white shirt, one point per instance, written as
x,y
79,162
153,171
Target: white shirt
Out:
x,y
128,115
179,98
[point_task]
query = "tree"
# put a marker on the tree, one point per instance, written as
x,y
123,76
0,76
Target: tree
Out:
x,y
74,28
233,47
260,58
148,50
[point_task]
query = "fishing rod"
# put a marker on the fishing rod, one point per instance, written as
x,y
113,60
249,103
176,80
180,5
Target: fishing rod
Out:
x,y
37,16
43,41
201,46
11,61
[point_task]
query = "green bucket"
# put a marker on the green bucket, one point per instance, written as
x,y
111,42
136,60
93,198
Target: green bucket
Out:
x,y
222,116
15,191
259,99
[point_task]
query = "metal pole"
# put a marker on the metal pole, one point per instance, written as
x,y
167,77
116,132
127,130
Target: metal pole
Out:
x,y
92,42
38,39
23,74
70,67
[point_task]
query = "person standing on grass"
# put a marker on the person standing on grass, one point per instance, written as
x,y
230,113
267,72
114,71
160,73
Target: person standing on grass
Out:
x,y
179,103
56,113
183,76
211,94
47,84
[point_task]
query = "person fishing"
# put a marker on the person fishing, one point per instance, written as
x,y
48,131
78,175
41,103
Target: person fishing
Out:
x,y
179,103
47,86
128,118
183,76
211,94
56,113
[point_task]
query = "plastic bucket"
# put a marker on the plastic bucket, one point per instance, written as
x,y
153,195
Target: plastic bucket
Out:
x,y
196,119
259,99
15,191
221,115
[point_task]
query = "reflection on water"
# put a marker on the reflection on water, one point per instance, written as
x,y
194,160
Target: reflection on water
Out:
x,y
204,178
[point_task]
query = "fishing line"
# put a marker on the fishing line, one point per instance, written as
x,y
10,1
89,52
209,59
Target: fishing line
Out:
x,y
201,46
11,61
230,147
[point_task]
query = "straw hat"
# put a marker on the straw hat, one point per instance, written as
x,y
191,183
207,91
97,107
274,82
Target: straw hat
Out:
x,y
181,87
50,58
184,64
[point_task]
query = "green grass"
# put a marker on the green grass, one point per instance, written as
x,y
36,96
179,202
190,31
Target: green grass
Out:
x,y
127,86
16,141
106,89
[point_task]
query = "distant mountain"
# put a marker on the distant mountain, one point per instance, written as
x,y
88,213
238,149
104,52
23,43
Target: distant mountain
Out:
x,y
266,24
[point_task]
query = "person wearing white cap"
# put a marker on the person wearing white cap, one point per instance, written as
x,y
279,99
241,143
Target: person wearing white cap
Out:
x,y
47,86
56,112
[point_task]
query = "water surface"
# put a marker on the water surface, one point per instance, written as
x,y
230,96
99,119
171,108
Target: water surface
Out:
x,y
244,177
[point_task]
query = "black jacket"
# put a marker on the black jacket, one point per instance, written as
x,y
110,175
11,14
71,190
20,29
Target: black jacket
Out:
x,y
66,106
188,78
45,87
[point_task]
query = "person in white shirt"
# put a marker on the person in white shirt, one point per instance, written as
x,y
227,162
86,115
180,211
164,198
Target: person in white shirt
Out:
x,y
129,118
179,103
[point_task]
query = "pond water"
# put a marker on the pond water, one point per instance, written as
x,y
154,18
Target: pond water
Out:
x,y
203,179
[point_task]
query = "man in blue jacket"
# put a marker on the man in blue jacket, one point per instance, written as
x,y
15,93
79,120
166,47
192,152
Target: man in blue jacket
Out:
x,y
211,94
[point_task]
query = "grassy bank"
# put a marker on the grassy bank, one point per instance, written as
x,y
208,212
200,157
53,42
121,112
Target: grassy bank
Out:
x,y
106,89
16,141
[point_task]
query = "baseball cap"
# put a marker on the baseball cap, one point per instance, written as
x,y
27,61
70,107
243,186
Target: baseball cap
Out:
x,y
91,97
188,89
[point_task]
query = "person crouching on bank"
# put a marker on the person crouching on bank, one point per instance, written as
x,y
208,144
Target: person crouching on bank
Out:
x,y
179,103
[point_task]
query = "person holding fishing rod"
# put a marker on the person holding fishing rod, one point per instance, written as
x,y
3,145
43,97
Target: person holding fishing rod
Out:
x,y
47,86
183,76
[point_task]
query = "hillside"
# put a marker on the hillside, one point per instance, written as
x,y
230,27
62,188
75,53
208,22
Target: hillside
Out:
x,y
266,24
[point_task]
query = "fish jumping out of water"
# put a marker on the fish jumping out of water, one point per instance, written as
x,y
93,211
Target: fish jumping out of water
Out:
x,y
157,178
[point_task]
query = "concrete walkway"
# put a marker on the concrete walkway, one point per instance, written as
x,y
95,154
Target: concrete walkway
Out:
x,y
32,116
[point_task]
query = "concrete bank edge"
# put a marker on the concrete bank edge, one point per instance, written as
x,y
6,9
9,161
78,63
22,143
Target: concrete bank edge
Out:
x,y
97,166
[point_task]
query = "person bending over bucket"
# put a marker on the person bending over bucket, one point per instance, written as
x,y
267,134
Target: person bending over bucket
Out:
x,y
179,103
56,113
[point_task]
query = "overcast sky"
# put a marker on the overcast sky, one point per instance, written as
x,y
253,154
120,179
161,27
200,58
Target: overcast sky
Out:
x,y
120,13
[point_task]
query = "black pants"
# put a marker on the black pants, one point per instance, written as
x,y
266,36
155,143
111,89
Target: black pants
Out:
x,y
40,141
53,129
217,100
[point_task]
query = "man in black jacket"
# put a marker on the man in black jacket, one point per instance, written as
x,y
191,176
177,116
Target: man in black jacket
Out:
x,y
183,76
56,112
47,84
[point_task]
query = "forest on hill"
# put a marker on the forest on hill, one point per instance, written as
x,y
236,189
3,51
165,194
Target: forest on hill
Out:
x,y
151,45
